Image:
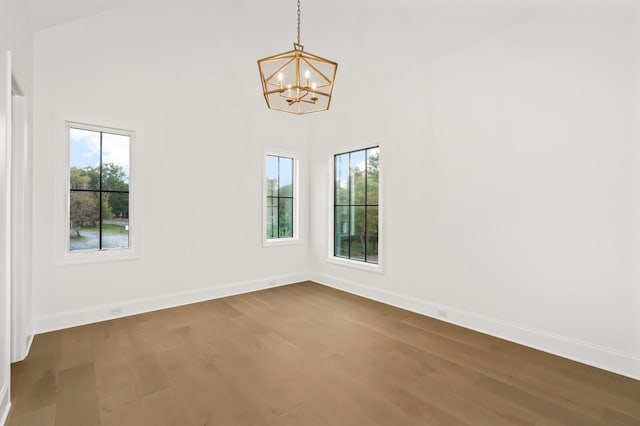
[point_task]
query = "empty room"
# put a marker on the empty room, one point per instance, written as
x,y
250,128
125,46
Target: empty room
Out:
x,y
409,212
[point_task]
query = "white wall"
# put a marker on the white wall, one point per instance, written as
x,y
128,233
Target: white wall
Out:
x,y
510,176
15,35
184,77
509,142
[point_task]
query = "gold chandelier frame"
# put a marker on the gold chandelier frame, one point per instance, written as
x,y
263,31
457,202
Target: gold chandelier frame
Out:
x,y
296,81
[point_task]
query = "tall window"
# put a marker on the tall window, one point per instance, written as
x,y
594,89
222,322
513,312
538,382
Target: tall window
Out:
x,y
99,188
356,180
280,193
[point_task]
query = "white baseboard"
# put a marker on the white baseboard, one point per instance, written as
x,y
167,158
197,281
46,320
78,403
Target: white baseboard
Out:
x,y
132,307
22,352
609,359
5,404
29,343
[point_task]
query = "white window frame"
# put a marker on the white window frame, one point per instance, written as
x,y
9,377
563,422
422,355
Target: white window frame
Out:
x,y
278,242
355,264
133,252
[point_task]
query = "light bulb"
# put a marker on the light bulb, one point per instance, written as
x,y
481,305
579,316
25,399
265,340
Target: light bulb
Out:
x,y
306,76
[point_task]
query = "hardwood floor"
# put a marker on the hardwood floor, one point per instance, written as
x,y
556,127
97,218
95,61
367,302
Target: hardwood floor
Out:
x,y
304,354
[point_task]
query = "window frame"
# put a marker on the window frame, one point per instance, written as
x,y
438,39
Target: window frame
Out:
x,y
342,261
280,152
99,255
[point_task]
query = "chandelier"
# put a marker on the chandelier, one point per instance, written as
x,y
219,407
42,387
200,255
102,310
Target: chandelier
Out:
x,y
297,81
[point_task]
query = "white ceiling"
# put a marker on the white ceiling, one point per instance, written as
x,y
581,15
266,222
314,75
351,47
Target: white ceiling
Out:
x,y
353,32
49,13
408,15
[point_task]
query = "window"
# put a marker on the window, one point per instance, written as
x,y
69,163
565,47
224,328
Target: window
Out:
x,y
98,212
280,205
356,189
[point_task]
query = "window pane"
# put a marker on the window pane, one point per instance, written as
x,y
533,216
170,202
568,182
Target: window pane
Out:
x,y
285,219
372,234
84,159
356,205
373,156
272,175
85,178
280,192
116,206
272,221
115,226
84,216
357,169
342,179
115,162
286,177
341,229
357,233
99,197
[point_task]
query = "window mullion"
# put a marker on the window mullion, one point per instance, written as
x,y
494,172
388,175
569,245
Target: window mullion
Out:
x,y
100,198
335,202
366,203
350,209
278,203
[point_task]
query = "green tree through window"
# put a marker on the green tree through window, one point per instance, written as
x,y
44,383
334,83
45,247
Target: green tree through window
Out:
x,y
356,182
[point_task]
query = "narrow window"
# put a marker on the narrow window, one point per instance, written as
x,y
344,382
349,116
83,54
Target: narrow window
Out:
x,y
280,197
99,188
356,179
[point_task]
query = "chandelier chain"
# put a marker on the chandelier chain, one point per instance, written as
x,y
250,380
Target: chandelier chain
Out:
x,y
298,22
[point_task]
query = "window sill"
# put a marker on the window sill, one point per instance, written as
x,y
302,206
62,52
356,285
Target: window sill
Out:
x,y
98,256
355,264
278,242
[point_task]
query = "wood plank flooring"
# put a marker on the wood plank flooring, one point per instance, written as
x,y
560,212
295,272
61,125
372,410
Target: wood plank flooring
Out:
x,y
304,354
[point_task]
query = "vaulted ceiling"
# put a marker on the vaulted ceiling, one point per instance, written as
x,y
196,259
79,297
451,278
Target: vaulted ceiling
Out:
x,y
405,22
385,37
48,13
